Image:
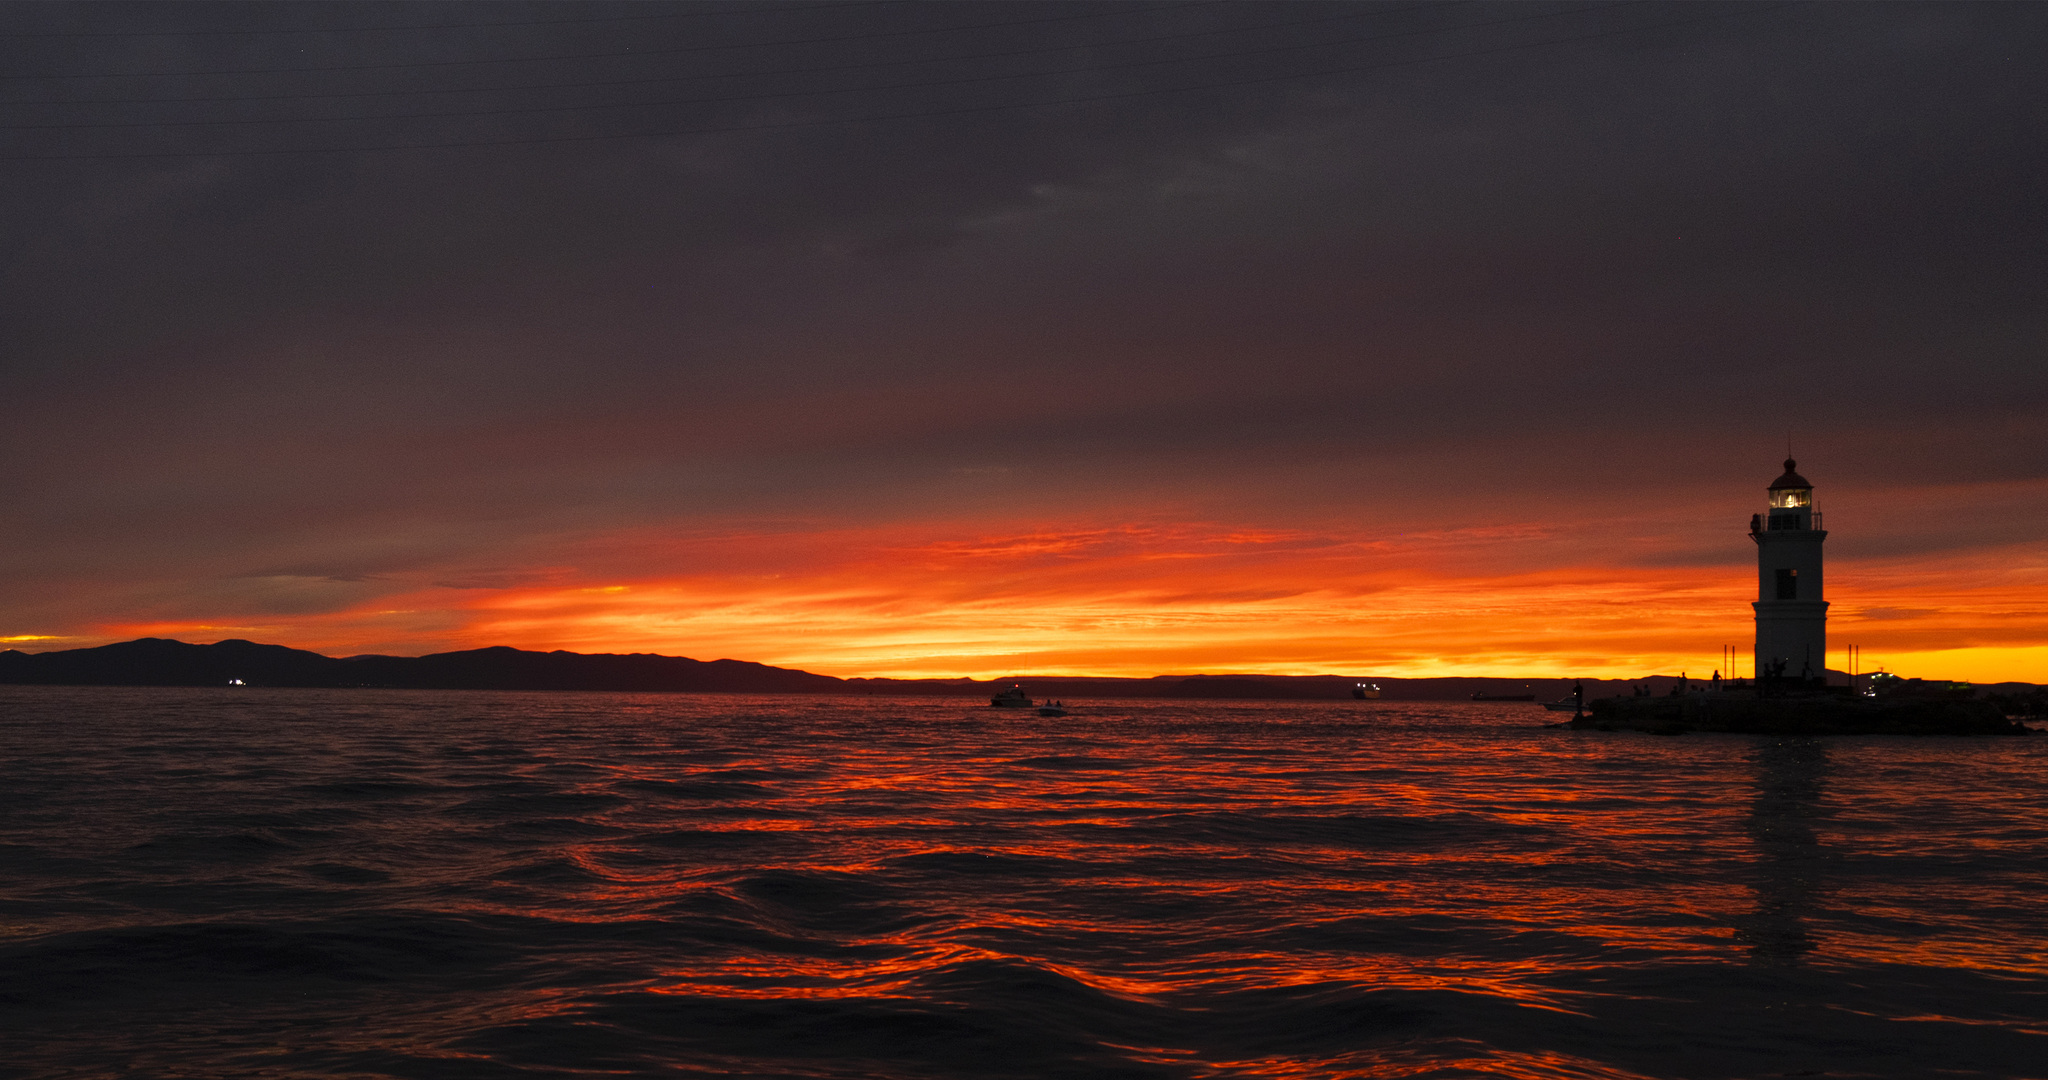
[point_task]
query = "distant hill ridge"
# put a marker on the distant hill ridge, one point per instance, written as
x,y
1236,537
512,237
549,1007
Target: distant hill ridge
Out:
x,y
163,662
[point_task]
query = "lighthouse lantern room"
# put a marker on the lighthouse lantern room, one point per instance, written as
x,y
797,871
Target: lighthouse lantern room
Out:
x,y
1791,612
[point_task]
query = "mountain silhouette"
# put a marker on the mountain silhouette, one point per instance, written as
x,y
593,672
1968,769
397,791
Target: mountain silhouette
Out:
x,y
162,662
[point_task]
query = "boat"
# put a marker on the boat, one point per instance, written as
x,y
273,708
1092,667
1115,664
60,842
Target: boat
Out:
x,y
1570,704
1012,698
1365,690
1503,697
1052,710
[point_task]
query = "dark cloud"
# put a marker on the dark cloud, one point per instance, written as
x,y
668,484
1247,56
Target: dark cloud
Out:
x,y
646,262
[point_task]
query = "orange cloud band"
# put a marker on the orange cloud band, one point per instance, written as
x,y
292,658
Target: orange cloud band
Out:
x,y
1182,597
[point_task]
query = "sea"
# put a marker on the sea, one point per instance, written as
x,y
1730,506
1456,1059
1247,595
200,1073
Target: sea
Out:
x,y
200,883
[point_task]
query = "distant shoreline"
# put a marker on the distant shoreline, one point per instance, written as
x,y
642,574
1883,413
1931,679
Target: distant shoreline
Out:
x,y
163,662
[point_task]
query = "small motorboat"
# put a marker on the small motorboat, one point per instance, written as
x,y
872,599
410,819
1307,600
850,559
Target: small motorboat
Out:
x,y
1012,698
1570,704
1053,709
1365,691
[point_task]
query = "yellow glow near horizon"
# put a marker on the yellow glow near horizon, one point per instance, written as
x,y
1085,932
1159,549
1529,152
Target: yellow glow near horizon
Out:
x,y
1142,601
1973,665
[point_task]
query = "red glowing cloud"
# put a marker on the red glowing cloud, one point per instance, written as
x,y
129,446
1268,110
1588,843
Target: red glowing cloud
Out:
x,y
946,599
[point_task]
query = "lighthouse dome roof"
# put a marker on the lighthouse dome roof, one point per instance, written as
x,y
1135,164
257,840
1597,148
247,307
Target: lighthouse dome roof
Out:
x,y
1791,479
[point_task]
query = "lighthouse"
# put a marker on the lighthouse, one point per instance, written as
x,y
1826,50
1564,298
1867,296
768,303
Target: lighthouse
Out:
x,y
1791,613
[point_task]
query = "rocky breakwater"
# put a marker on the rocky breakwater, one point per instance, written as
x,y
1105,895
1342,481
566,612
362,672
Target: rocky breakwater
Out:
x,y
1797,714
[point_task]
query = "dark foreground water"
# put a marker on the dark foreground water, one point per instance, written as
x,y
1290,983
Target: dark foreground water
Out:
x,y
434,884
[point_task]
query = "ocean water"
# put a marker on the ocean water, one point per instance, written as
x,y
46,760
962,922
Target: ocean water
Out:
x,y
313,883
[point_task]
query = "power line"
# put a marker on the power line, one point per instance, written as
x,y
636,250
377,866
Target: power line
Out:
x,y
779,95
919,115
1093,14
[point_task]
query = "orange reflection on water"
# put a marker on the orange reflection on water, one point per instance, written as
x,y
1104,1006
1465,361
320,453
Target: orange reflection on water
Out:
x,y
1184,858
1218,889
1438,1058
781,976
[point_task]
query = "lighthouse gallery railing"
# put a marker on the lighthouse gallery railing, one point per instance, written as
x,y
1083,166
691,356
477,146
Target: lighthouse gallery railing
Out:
x,y
1782,523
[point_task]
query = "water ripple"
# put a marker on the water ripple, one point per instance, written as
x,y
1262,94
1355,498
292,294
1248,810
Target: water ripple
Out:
x,y
383,883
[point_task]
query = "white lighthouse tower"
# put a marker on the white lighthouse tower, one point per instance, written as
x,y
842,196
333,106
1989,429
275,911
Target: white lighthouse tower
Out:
x,y
1791,616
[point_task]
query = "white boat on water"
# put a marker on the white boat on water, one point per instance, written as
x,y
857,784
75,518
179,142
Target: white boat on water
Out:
x,y
1574,703
1012,698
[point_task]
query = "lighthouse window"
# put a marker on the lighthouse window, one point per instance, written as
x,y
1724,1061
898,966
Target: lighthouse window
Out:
x,y
1788,497
1788,584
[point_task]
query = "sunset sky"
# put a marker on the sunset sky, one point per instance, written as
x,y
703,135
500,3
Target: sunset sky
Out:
x,y
947,339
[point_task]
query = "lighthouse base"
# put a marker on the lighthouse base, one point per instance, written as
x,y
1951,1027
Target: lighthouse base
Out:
x,y
1791,639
